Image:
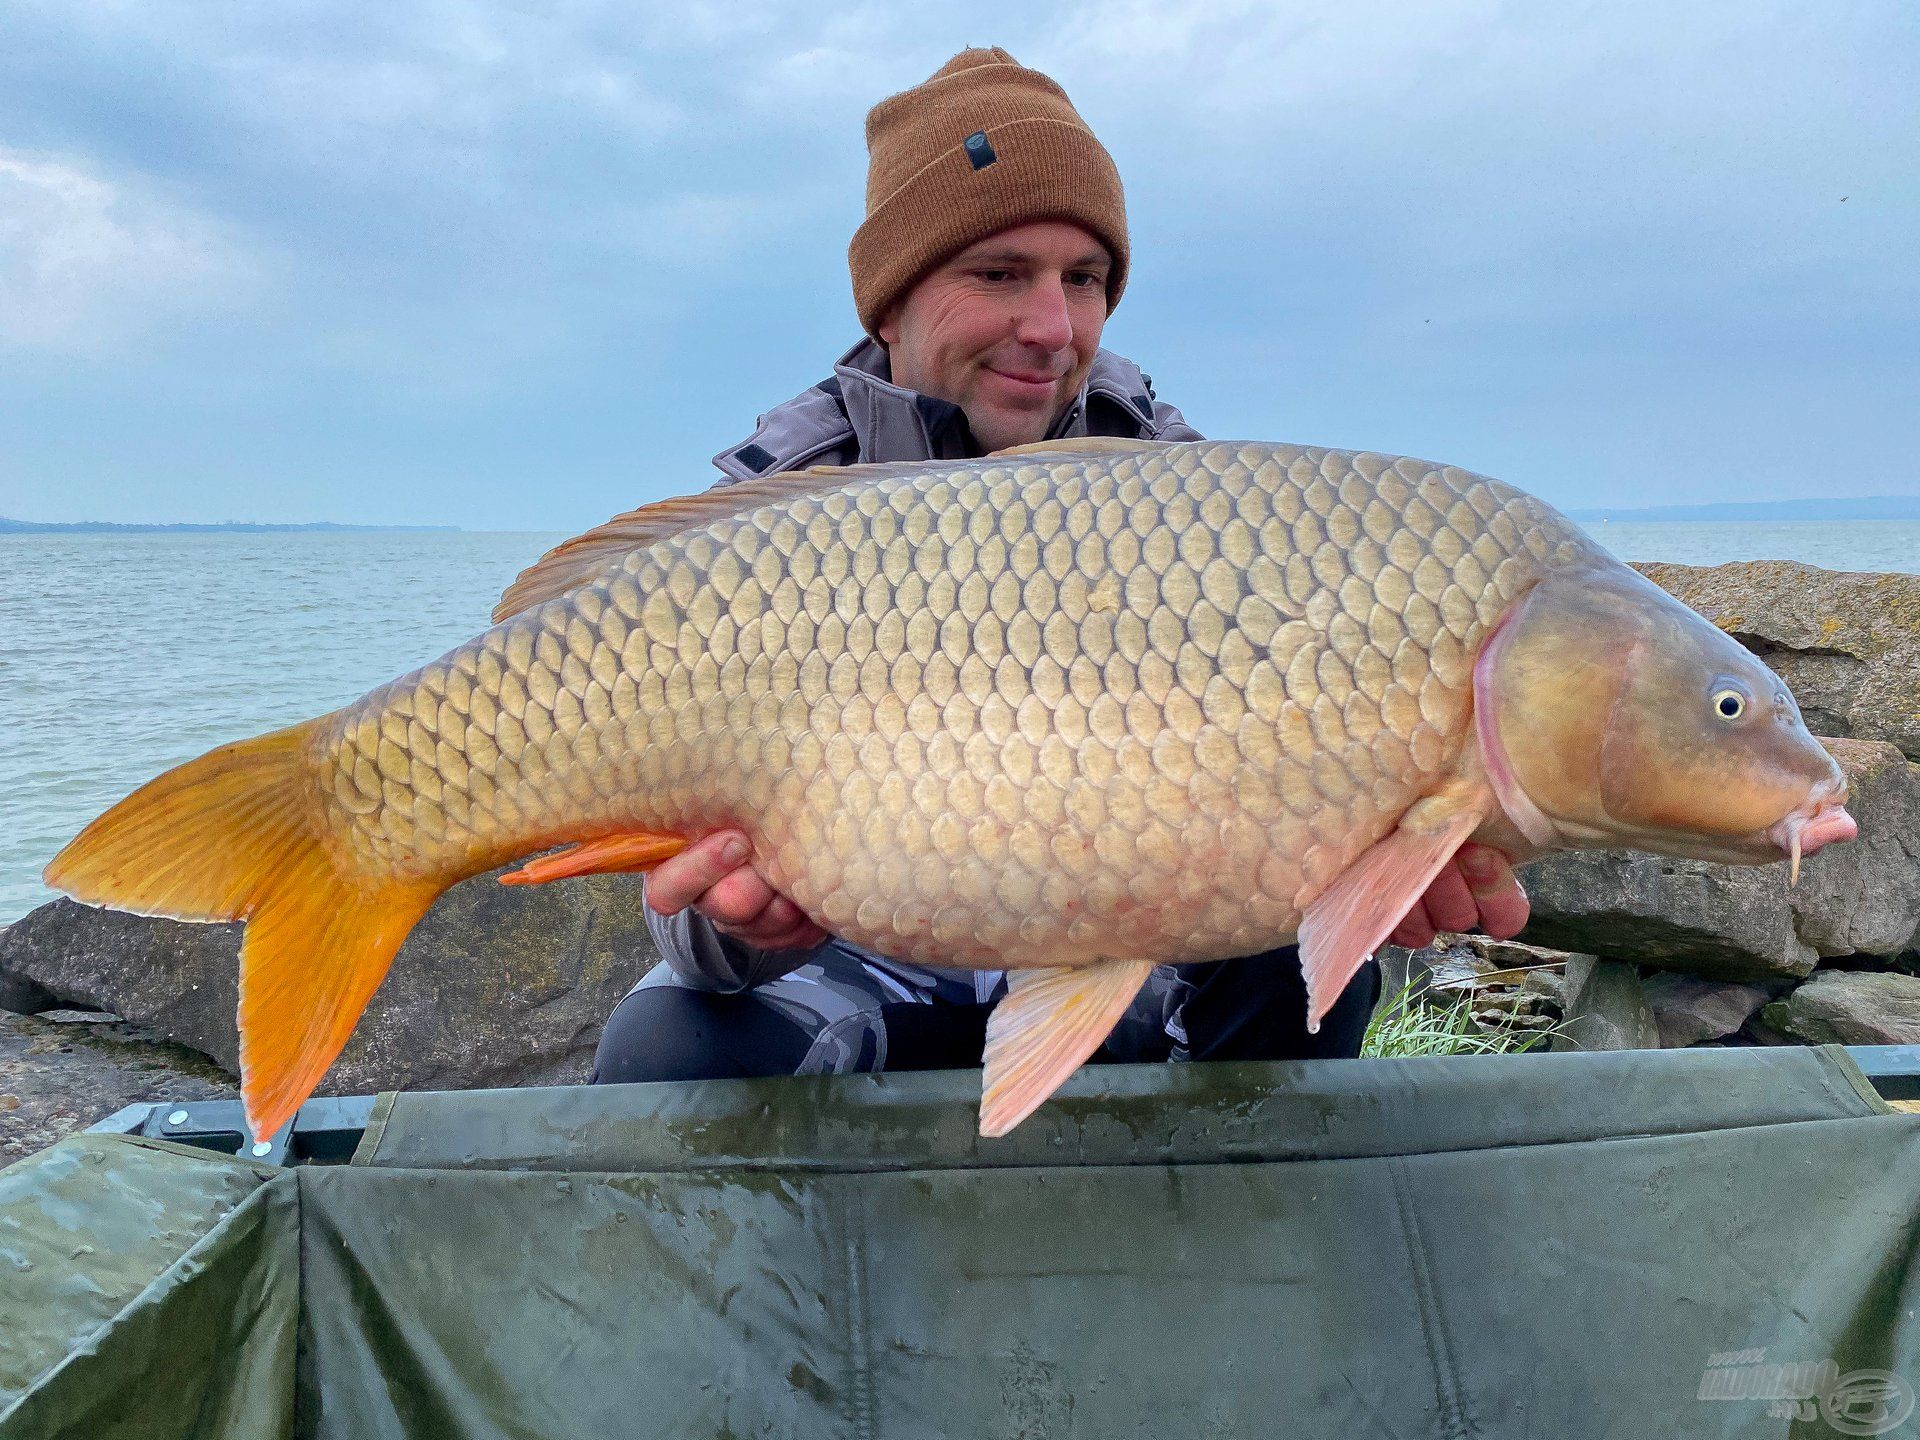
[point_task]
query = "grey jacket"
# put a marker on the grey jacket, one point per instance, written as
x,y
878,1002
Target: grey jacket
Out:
x,y
856,415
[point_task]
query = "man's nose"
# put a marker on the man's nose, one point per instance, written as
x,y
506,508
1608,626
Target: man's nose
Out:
x,y
1043,320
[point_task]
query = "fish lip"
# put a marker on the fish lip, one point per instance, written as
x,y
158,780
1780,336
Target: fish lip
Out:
x,y
1817,822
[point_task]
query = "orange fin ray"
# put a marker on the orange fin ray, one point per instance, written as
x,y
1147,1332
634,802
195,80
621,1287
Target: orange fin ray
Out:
x,y
1354,915
1049,1023
237,835
591,554
610,854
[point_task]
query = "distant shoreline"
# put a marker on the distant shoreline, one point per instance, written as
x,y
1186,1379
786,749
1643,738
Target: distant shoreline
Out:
x,y
235,527
1874,507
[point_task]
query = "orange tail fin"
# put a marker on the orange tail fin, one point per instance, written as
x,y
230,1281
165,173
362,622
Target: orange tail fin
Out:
x,y
237,835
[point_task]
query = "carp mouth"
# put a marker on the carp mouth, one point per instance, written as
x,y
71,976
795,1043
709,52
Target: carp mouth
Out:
x,y
1821,821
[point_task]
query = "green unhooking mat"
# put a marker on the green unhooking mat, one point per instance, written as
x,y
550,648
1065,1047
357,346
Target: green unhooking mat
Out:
x,y
1631,1244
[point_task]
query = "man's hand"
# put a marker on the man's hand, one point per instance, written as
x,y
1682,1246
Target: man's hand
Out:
x,y
716,877
1475,888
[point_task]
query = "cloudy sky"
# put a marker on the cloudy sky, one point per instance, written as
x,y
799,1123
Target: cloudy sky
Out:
x,y
519,265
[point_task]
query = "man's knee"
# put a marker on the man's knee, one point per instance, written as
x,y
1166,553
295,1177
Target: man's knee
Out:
x,y
1255,1008
667,1032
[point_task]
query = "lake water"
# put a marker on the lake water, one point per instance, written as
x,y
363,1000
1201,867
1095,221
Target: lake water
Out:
x,y
123,655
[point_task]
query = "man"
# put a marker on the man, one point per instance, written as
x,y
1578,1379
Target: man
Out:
x,y
993,250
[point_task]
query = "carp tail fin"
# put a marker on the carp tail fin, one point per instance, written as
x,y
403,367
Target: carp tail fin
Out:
x,y
237,835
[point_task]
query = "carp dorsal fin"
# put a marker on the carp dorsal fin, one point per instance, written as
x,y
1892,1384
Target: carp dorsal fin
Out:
x,y
1083,445
586,556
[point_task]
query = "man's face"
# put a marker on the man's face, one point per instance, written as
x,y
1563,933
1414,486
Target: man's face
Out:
x,y
1006,329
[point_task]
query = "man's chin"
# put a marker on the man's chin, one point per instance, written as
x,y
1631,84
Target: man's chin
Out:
x,y
993,441
1002,428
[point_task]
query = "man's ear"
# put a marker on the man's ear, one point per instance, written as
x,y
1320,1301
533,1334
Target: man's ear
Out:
x,y
888,330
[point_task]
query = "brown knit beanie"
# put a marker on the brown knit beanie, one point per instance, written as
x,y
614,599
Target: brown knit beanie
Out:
x,y
984,145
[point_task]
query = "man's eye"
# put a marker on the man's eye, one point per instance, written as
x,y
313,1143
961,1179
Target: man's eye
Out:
x,y
1086,280
996,276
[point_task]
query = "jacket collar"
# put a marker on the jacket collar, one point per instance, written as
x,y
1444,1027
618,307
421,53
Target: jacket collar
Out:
x,y
891,420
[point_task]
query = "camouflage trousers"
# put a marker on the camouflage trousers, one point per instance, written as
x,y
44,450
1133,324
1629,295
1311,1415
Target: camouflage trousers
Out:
x,y
847,1012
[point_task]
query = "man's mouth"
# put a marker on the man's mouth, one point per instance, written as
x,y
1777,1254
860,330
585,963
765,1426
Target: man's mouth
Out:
x,y
1025,378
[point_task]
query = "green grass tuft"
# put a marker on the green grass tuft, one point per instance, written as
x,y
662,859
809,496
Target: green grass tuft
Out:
x,y
1409,1022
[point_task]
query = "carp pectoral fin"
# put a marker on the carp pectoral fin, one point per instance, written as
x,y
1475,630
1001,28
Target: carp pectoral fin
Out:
x,y
1049,1023
610,854
1353,916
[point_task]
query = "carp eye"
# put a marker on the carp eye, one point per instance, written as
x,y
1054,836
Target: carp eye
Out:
x,y
1729,704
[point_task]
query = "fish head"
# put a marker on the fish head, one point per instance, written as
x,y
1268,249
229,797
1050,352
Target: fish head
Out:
x,y
1611,715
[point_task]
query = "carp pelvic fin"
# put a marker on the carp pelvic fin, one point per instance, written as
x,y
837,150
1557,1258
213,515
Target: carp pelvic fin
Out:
x,y
1354,915
610,854
235,835
1049,1023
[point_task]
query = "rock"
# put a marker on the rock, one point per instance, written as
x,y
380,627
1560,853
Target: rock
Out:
x,y
1850,1007
1511,955
1847,644
1688,1010
1605,1008
497,986
1739,922
22,996
58,1077
1863,897
1547,988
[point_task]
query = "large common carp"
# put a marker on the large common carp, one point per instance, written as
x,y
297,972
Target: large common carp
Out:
x,y
1071,711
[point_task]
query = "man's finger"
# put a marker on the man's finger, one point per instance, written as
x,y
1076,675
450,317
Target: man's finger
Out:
x,y
1496,891
782,925
677,883
1416,927
737,901
803,936
1449,902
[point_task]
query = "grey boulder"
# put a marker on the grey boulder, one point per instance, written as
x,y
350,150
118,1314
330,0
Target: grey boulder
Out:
x,y
1850,1007
1689,1011
62,1072
496,986
1604,1007
1736,922
1846,643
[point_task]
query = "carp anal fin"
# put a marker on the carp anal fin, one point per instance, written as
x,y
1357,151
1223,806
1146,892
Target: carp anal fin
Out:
x,y
1354,915
1049,1023
609,855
